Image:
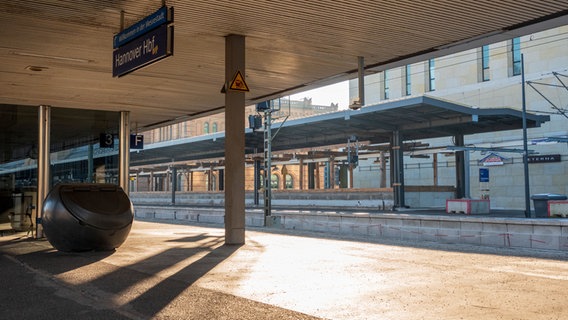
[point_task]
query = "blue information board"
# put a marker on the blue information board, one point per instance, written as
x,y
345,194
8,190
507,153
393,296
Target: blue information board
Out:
x,y
149,48
149,23
483,175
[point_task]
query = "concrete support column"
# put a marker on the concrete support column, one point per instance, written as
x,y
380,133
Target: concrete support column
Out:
x,y
234,143
43,163
460,167
124,151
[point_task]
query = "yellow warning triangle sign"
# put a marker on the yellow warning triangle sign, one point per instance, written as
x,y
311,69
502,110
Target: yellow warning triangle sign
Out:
x,y
239,83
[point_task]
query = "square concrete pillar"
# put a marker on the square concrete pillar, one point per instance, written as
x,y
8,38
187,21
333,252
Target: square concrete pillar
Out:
x,y
234,143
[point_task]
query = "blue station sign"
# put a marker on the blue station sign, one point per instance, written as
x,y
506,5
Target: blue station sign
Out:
x,y
162,16
142,51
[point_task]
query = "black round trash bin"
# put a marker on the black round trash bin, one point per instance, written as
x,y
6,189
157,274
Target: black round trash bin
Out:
x,y
84,217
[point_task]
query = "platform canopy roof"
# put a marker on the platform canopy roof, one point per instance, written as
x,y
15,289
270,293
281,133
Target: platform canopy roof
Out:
x,y
59,53
423,117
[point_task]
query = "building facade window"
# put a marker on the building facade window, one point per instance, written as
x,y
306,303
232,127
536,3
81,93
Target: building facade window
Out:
x,y
386,85
431,75
214,129
274,181
289,183
407,80
485,64
516,56
206,128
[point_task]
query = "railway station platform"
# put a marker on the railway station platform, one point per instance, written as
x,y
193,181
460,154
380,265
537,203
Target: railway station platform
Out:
x,y
177,270
499,228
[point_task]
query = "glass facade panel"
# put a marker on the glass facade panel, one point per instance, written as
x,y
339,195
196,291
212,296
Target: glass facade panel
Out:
x,y
516,55
84,146
408,82
18,166
431,75
485,63
386,84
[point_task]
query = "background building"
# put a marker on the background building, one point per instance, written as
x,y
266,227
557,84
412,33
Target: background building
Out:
x,y
487,77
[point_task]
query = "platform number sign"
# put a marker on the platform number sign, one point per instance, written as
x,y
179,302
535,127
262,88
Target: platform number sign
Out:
x,y
136,141
106,140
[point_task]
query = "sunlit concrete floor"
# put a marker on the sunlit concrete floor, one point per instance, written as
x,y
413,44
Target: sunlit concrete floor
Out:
x,y
176,271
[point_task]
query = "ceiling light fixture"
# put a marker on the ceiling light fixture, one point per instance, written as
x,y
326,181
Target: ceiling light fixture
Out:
x,y
36,68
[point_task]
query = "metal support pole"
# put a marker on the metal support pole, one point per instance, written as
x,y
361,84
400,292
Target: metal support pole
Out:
x,y
382,170
301,174
267,166
124,151
257,165
90,164
174,184
528,213
460,164
467,191
43,167
332,181
221,180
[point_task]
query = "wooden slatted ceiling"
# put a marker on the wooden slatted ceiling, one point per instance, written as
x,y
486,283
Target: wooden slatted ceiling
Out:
x,y
292,45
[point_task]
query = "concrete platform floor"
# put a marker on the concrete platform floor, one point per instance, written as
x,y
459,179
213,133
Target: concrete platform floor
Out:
x,y
177,271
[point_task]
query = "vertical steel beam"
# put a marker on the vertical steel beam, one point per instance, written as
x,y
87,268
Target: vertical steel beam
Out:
x,y
301,173
174,184
256,181
332,181
383,170
311,177
90,164
267,166
43,164
234,143
124,151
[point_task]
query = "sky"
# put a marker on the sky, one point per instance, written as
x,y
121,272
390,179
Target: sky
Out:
x,y
335,93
